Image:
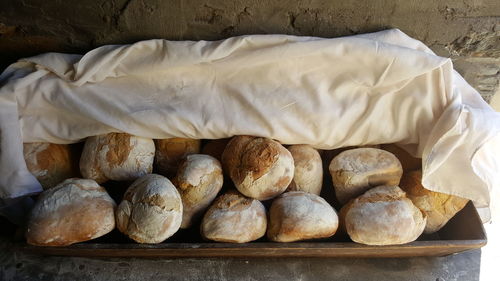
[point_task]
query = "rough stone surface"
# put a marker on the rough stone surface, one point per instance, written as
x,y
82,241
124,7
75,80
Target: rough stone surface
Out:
x,y
463,30
20,266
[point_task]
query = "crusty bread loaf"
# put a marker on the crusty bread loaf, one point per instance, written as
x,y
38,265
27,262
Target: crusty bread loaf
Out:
x,y
308,172
234,218
116,156
151,210
75,210
299,215
199,179
260,168
50,163
170,152
383,216
439,207
356,170
215,148
408,162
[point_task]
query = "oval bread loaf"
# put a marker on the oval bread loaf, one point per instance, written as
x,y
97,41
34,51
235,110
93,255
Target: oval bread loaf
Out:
x,y
50,163
198,180
299,215
151,210
116,156
260,168
234,218
170,152
308,171
383,216
439,207
356,170
75,210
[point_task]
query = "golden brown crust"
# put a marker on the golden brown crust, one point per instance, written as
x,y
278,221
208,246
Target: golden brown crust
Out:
x,y
260,168
119,148
50,163
439,207
169,153
231,157
74,211
259,156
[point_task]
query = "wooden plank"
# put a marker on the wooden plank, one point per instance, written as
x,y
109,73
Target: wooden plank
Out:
x,y
463,232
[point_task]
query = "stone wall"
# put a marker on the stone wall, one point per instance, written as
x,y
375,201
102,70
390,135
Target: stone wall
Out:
x,y
468,31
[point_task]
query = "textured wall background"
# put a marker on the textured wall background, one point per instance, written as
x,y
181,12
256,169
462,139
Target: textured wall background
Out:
x,y
468,31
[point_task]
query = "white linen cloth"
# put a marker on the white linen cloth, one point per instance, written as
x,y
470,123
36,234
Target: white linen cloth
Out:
x,y
383,87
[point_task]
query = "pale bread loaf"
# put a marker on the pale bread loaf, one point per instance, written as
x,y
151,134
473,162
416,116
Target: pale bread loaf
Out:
x,y
50,163
308,171
199,179
439,207
234,218
299,215
170,152
151,210
116,156
260,168
383,216
356,170
75,210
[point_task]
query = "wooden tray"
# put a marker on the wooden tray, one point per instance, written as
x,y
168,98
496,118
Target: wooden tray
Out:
x,y
464,232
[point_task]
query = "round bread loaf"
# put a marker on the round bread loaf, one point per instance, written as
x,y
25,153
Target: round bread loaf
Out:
x,y
75,210
308,171
50,163
356,170
198,180
234,218
439,207
116,156
299,215
408,162
215,148
260,168
383,216
151,210
170,152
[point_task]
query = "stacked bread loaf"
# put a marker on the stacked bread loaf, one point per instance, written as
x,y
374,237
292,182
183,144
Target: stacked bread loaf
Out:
x,y
381,199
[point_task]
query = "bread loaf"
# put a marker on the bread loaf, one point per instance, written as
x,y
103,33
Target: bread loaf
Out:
x,y
198,180
75,210
299,215
439,207
356,170
383,216
308,171
170,152
116,156
260,168
50,163
151,210
234,218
